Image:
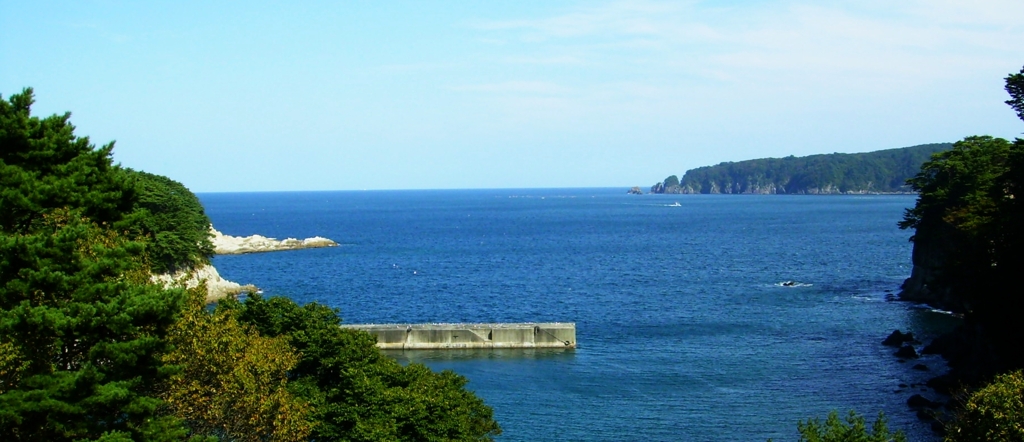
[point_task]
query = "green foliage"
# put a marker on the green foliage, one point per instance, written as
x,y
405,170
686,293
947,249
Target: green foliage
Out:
x,y
880,171
853,430
173,219
955,216
1015,87
671,181
87,340
359,394
956,186
81,332
44,166
995,412
232,380
968,216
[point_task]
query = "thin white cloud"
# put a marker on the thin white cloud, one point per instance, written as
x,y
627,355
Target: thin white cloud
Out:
x,y
840,33
516,87
541,60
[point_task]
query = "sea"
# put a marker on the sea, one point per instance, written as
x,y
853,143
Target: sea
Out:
x,y
699,317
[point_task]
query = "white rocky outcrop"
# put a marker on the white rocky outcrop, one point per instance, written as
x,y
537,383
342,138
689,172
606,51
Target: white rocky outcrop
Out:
x,y
233,245
216,286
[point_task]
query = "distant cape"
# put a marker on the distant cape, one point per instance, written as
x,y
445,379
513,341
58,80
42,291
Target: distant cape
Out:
x,y
878,172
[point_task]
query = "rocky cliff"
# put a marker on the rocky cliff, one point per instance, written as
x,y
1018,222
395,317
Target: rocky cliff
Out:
x,y
216,286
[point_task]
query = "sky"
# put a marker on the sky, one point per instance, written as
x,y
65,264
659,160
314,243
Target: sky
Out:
x,y
284,96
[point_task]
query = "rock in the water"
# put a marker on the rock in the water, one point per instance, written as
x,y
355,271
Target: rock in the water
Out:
x,y
234,245
920,367
635,191
906,351
898,338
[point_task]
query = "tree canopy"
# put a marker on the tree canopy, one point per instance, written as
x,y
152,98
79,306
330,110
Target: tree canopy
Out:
x,y
81,330
174,221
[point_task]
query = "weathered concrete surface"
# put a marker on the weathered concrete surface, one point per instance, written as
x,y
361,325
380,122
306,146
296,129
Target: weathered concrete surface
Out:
x,y
498,335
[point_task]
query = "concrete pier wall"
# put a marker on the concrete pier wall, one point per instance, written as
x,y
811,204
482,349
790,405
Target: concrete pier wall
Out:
x,y
499,335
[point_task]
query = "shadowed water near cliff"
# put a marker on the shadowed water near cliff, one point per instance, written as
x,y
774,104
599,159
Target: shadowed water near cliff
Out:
x,y
684,331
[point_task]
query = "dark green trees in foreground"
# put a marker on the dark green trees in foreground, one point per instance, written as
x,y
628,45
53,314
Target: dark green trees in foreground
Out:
x,y
81,337
91,349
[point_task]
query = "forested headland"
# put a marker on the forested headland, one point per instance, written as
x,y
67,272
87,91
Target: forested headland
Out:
x,y
968,258
92,349
883,171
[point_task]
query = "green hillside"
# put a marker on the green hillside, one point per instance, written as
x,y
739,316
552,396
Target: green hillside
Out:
x,y
883,171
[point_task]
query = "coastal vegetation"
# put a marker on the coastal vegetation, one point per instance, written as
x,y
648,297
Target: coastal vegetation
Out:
x,y
853,430
967,258
92,349
883,171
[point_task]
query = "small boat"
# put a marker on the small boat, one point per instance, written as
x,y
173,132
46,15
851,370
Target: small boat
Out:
x,y
675,204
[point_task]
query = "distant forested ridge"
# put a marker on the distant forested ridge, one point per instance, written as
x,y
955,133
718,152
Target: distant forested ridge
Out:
x,y
883,171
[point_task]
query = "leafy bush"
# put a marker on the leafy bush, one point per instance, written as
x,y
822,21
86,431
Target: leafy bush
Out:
x,y
995,412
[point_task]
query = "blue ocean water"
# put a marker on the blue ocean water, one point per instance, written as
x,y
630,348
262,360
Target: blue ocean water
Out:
x,y
684,330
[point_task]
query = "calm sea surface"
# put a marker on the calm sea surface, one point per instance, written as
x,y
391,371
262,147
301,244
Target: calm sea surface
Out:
x,y
684,330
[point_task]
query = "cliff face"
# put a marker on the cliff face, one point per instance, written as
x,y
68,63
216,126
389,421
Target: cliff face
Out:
x,y
761,188
924,286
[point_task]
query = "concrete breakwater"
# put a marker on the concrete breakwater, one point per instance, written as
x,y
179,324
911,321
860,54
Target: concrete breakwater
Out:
x,y
498,335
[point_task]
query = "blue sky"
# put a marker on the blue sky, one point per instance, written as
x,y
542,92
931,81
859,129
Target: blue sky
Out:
x,y
254,95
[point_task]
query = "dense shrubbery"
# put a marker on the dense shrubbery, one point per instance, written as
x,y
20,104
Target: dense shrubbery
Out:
x,y
91,349
994,412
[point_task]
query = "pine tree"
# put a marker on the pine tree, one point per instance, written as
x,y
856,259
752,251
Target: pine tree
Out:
x,y
82,330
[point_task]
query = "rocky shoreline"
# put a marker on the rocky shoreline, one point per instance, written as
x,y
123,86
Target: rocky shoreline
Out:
x,y
219,288
216,286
